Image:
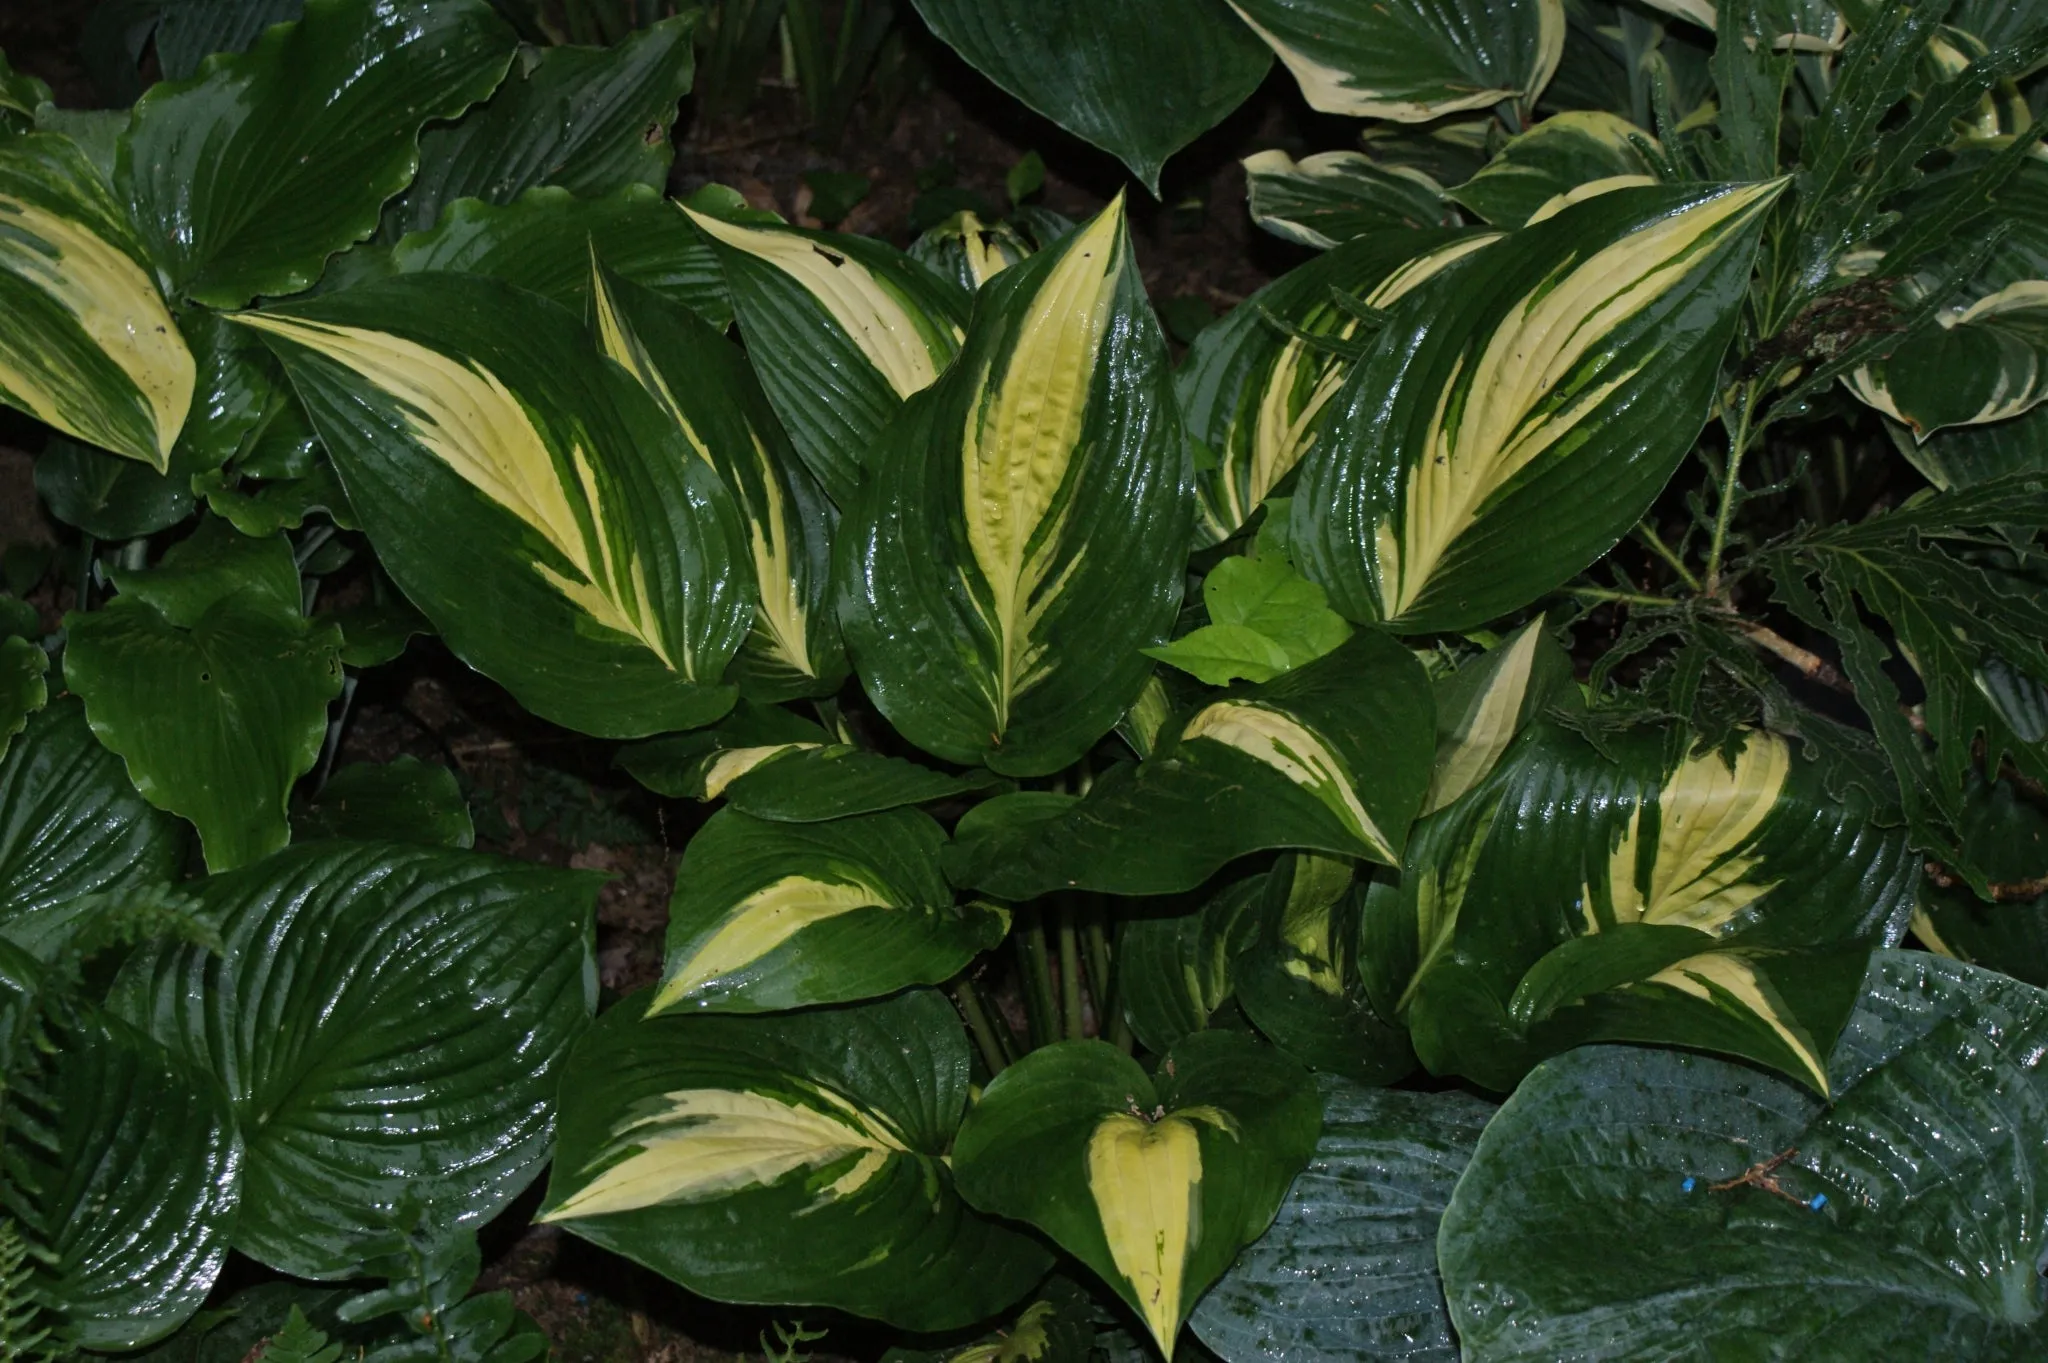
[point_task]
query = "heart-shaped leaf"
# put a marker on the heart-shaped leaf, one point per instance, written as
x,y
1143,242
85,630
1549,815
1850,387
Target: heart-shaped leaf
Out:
x,y
389,1021
769,916
1348,1271
794,1158
530,498
1141,78
1331,757
1412,60
1747,1218
1725,903
1981,362
1153,1181
1430,507
86,343
245,179
1024,534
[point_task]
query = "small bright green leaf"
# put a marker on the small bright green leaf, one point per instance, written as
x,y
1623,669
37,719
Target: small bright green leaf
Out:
x,y
795,1158
1254,385
205,678
71,824
704,385
1172,974
1323,200
1331,757
1024,534
261,509
405,800
139,1187
1562,153
1523,908
389,1021
246,178
770,916
86,344
531,499
1266,595
1412,60
968,251
1484,704
841,329
1153,1181
1141,78
1348,1271
23,691
804,784
1749,1219
1221,654
1434,507
587,119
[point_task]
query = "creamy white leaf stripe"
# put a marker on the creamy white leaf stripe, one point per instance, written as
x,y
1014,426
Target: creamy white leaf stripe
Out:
x,y
762,922
1146,1177
1287,746
1489,729
1736,977
700,1144
864,307
1023,436
119,310
1540,374
463,415
781,619
1578,194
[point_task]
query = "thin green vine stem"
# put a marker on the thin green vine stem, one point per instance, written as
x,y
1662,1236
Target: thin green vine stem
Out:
x,y
1041,1009
1649,536
1731,489
1624,598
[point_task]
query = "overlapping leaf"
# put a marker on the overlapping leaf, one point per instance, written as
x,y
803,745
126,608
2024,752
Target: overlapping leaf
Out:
x,y
1485,703
534,501
1519,411
1025,530
1174,973
1334,196
1722,902
86,343
2006,833
1562,153
795,1158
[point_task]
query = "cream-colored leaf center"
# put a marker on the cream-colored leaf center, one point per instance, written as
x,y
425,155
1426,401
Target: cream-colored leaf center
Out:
x,y
1146,1177
1472,752
760,923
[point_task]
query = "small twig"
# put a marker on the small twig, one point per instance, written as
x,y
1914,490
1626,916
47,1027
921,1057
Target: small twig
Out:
x,y
1762,1175
2002,891
1809,664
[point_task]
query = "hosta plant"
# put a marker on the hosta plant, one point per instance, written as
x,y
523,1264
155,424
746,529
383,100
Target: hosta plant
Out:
x,y
1272,850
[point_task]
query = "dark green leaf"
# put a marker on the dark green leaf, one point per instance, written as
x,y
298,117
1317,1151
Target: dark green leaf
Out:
x,y
807,784
699,766
405,800
1558,155
1333,197
1172,974
22,688
2006,832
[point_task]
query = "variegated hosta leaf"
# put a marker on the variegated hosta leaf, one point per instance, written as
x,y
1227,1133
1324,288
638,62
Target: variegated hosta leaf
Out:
x,y
769,916
1412,60
702,764
1519,411
1793,25
842,329
1332,757
1569,897
1025,531
1153,1181
1484,704
533,501
704,385
1559,154
794,1158
970,252
1983,362
1172,974
1254,384
1333,196
86,343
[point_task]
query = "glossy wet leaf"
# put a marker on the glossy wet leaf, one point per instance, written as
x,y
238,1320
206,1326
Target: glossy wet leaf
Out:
x,y
528,496
404,800
1265,619
1140,79
1434,509
1024,533
1962,456
1348,1271
1173,973
808,784
701,764
1153,1181
246,178
1897,1234
1556,156
23,690
1487,701
793,1158
1334,196
388,1021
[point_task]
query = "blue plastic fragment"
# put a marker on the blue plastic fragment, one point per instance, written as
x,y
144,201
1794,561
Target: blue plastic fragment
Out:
x,y
1819,1200
1688,1184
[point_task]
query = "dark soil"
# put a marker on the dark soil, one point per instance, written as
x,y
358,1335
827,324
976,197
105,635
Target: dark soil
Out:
x,y
545,794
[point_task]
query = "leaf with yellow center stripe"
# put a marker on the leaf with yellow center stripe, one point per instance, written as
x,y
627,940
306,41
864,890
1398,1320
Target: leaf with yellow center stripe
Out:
x,y
86,343
1412,60
704,385
1153,1181
536,503
784,915
842,330
1332,757
796,1158
1254,384
1721,902
1484,704
1025,533
1520,410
